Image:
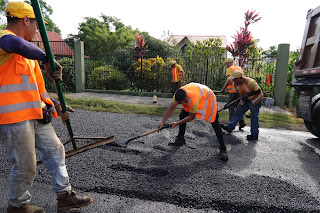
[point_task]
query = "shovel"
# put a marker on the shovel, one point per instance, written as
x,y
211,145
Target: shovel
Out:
x,y
229,104
148,133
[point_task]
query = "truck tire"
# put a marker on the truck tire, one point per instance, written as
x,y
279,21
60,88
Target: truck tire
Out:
x,y
315,117
308,125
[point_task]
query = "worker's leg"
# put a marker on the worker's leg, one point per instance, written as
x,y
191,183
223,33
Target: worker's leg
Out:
x,y
254,111
223,149
232,108
182,129
218,131
19,140
174,87
238,115
53,157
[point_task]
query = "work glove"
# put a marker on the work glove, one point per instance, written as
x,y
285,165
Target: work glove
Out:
x,y
53,75
64,115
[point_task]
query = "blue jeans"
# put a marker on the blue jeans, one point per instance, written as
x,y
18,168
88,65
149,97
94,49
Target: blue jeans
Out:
x,y
241,110
232,108
20,140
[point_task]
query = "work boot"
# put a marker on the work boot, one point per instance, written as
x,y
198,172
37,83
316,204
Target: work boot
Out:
x,y
70,200
26,208
252,137
241,124
223,153
180,141
225,128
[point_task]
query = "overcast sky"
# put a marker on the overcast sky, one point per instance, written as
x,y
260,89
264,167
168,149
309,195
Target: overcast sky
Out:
x,y
283,21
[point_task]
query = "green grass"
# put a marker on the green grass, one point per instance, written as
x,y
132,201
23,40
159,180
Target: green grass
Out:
x,y
266,120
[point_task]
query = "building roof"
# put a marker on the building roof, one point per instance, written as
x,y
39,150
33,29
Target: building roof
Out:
x,y
58,45
177,39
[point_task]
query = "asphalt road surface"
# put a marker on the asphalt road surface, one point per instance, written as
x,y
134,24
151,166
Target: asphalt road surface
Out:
x,y
278,173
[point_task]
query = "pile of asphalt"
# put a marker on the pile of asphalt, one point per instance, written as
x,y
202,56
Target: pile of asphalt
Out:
x,y
150,170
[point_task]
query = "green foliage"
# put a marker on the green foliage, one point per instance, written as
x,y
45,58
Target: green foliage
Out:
x,y
204,63
107,77
3,4
68,76
153,75
272,52
293,57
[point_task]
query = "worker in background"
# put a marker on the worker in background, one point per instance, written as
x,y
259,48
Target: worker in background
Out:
x,y
177,76
198,101
251,95
232,94
25,110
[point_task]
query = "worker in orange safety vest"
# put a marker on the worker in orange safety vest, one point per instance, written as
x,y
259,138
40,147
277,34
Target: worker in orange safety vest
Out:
x,y
25,114
231,67
197,101
177,76
251,96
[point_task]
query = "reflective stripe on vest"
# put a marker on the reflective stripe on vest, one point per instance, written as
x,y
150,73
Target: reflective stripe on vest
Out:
x,y
233,68
207,108
245,89
175,74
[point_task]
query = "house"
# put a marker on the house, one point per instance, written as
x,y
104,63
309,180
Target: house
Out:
x,y
182,41
58,46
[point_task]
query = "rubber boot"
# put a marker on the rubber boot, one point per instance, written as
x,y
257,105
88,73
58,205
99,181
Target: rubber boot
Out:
x,y
241,124
223,153
71,200
26,208
180,141
252,137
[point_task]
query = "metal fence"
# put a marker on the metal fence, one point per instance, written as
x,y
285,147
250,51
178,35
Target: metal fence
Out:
x,y
123,73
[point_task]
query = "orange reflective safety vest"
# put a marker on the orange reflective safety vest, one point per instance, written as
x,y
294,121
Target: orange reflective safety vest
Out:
x,y
175,74
245,89
21,88
233,68
207,107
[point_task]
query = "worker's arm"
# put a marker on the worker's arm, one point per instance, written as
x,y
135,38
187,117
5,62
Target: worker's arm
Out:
x,y
15,44
228,82
185,120
167,115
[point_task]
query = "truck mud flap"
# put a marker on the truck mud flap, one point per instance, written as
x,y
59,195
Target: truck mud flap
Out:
x,y
304,107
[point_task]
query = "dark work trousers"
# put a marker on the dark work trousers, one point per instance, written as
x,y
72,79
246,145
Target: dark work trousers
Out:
x,y
175,86
232,108
215,125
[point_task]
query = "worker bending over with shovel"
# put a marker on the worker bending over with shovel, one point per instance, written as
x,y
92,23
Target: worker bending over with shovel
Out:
x,y
198,101
251,96
25,114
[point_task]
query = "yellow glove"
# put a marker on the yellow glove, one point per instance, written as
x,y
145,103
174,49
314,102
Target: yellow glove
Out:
x,y
53,75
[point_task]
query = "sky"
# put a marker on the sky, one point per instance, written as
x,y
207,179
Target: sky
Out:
x,y
283,21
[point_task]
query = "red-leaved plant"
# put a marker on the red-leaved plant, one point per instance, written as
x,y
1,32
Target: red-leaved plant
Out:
x,y
243,38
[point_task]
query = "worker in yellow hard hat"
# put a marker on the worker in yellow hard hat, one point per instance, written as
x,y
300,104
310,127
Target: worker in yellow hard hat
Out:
x,y
25,114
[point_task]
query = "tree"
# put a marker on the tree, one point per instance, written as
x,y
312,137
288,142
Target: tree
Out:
x,y
270,53
243,39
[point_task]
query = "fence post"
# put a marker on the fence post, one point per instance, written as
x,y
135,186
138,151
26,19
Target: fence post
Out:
x,y
280,82
79,65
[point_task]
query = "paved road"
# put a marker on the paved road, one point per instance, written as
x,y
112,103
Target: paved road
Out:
x,y
278,173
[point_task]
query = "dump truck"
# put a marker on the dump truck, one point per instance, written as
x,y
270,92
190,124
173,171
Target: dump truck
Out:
x,y
306,76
